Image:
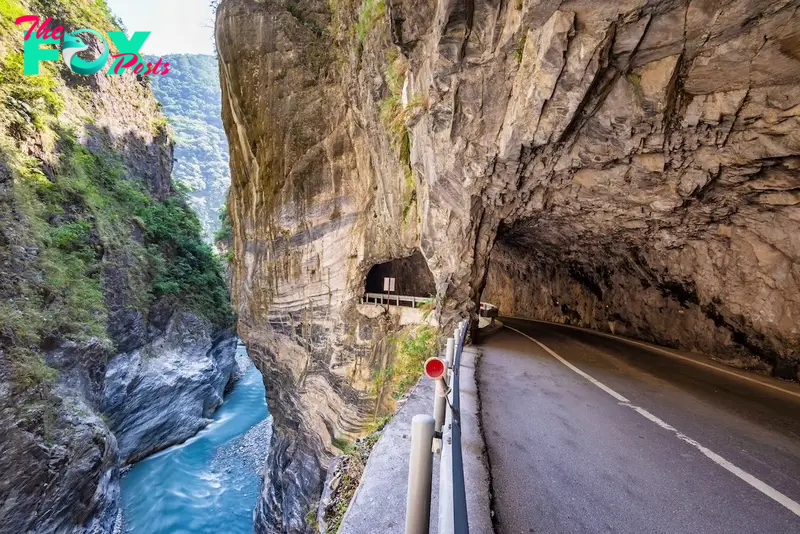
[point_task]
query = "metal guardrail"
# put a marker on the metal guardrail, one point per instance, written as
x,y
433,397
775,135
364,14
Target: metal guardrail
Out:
x,y
397,300
445,426
460,521
486,309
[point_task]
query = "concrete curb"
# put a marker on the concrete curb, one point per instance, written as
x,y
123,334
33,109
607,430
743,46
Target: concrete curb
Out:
x,y
476,465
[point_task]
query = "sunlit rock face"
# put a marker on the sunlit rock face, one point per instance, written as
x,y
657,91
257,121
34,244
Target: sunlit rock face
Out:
x,y
318,197
637,161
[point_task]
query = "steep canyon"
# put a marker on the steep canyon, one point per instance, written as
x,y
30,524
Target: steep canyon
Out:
x,y
628,166
116,333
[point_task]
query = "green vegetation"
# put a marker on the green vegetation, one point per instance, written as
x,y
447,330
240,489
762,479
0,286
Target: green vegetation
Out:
x,y
29,98
74,14
185,266
391,108
429,306
82,221
520,50
32,371
369,14
377,425
311,517
636,81
81,229
225,231
192,102
411,350
93,14
343,444
340,509
395,117
10,10
380,379
352,468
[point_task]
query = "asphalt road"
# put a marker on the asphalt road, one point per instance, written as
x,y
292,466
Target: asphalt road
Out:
x,y
641,442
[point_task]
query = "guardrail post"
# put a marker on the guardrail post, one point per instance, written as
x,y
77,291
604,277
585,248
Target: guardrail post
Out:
x,y
449,351
440,396
418,501
439,405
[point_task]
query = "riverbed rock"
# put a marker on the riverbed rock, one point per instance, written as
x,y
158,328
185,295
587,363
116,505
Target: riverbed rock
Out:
x,y
60,466
164,392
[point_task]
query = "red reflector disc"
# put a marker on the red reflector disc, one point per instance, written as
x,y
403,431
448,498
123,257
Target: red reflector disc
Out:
x,y
434,368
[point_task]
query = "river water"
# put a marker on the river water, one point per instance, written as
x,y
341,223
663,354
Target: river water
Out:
x,y
209,484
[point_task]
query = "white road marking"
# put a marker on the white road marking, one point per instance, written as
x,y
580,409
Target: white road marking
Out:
x,y
672,355
764,488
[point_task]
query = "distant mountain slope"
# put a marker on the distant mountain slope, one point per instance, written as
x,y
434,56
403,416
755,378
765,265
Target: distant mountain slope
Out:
x,y
191,98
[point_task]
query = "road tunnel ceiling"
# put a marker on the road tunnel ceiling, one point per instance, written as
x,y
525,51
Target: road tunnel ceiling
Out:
x,y
714,274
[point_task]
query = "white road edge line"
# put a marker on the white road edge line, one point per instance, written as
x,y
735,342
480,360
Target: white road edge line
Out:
x,y
671,354
764,488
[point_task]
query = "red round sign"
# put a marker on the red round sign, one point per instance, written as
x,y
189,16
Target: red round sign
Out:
x,y
434,368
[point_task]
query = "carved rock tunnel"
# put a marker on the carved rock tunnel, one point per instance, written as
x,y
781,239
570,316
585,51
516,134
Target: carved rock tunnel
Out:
x,y
628,287
412,275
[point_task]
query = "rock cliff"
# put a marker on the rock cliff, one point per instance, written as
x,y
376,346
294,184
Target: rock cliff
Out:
x,y
104,283
630,166
167,390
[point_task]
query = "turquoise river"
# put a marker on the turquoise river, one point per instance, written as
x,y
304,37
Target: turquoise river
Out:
x,y
210,483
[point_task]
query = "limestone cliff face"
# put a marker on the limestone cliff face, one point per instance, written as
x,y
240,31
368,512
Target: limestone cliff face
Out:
x,y
632,166
316,199
658,176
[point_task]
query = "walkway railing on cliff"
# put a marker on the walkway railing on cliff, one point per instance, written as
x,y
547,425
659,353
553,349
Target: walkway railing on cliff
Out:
x,y
442,432
486,309
395,300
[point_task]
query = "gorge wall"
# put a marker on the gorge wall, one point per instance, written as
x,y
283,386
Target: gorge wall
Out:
x,y
115,322
629,166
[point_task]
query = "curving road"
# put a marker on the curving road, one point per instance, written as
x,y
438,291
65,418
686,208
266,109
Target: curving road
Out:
x,y
589,433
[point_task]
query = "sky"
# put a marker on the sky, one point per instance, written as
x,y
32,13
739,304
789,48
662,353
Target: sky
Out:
x,y
175,26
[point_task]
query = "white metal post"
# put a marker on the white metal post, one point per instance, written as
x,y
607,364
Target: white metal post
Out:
x,y
451,348
439,403
418,501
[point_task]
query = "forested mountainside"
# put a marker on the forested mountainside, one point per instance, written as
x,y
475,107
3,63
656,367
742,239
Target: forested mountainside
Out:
x,y
190,96
115,323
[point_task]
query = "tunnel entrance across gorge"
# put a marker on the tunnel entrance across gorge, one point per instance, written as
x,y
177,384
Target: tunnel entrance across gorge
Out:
x,y
412,276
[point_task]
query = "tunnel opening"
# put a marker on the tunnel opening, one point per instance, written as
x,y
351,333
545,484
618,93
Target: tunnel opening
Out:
x,y
412,277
